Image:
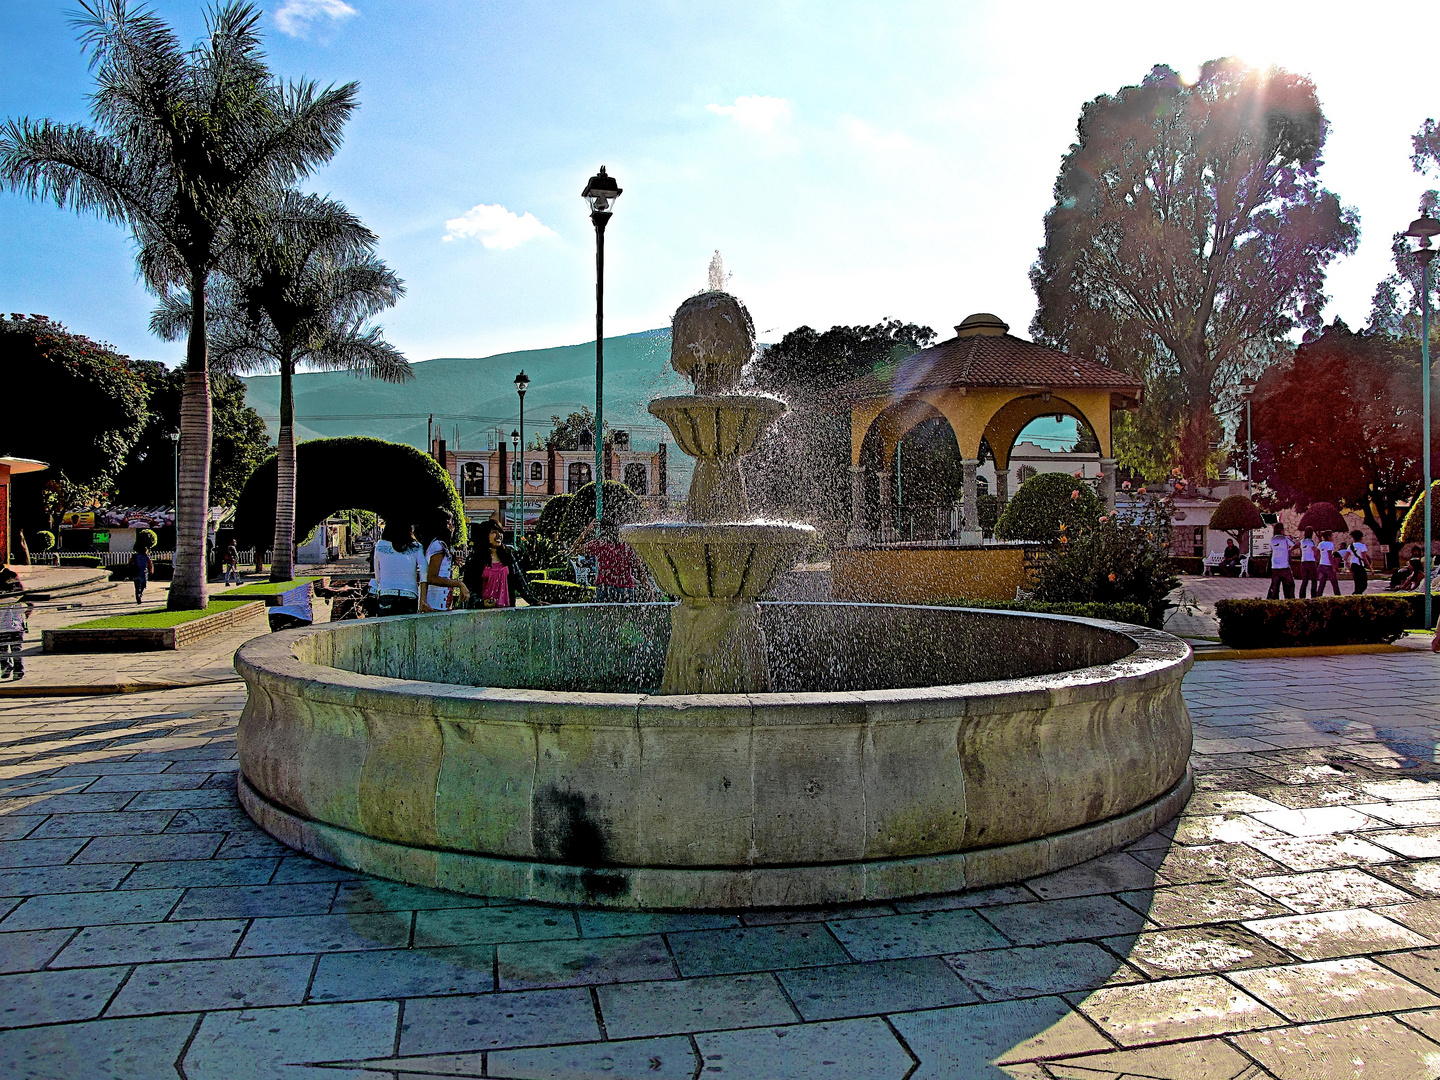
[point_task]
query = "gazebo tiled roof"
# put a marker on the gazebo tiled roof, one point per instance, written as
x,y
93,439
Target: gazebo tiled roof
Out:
x,y
991,359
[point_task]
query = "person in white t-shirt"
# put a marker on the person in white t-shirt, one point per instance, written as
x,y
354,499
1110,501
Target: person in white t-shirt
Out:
x,y
1329,560
1359,561
1280,573
1309,564
442,566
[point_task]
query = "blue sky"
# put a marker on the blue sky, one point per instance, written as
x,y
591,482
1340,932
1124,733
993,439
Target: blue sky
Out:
x,y
850,160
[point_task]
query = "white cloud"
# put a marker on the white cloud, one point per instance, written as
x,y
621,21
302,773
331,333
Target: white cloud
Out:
x,y
295,16
756,112
495,226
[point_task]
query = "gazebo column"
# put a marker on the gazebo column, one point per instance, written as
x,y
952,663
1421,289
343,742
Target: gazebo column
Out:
x,y
970,530
858,533
1107,482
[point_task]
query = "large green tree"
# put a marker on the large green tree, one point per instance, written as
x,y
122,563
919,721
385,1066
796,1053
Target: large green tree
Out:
x,y
298,287
1190,232
186,142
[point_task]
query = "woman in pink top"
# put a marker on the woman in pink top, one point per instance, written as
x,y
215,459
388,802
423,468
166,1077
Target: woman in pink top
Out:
x,y
492,575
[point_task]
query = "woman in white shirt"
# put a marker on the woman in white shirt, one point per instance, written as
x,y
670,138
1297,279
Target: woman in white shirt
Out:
x,y
1359,561
441,566
1309,564
1329,560
399,564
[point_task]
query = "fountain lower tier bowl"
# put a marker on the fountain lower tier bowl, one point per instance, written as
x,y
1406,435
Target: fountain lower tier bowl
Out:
x,y
522,753
725,561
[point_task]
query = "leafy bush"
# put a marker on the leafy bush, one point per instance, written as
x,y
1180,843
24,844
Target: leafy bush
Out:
x,y
1043,504
552,516
1121,612
44,541
1412,531
535,552
1113,561
90,561
146,539
621,506
1235,514
1327,620
562,592
1324,517
988,507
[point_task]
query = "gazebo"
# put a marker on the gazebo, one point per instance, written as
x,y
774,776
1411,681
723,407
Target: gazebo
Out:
x,y
988,385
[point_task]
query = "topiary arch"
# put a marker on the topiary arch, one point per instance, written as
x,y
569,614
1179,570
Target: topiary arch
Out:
x,y
387,478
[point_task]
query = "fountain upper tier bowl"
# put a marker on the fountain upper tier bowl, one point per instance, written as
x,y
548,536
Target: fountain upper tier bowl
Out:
x,y
524,753
717,425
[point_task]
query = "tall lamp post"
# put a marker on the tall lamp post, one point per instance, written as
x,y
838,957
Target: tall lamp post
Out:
x,y
518,475
1247,387
601,193
522,383
175,521
1421,230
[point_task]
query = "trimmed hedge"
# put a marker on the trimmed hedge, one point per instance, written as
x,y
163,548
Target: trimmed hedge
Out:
x,y
622,506
1326,620
1120,612
1043,503
93,562
561,592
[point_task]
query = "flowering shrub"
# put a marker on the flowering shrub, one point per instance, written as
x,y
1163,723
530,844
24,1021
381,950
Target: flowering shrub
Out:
x,y
1046,507
1116,558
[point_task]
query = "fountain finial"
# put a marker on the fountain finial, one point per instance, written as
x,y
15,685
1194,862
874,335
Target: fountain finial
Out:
x,y
711,340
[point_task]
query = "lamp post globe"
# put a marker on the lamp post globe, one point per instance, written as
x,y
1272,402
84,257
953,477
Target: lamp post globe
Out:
x,y
600,193
522,382
1421,230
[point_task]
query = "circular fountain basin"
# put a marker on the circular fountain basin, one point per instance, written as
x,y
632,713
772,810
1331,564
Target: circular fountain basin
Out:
x,y
522,753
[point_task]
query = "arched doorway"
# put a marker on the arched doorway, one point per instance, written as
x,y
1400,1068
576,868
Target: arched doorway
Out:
x,y
578,475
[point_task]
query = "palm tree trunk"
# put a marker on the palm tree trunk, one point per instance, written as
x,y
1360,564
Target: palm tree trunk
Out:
x,y
187,590
282,566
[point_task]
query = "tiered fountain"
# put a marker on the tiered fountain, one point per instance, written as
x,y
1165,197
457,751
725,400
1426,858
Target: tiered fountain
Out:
x,y
721,753
718,561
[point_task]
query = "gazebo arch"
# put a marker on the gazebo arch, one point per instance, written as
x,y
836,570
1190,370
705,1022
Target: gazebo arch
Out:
x,y
988,385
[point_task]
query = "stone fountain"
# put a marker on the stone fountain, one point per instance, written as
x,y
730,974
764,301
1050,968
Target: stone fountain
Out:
x,y
718,561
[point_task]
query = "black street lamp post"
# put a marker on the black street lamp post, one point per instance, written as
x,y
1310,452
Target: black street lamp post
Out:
x,y
1422,229
522,383
517,473
601,193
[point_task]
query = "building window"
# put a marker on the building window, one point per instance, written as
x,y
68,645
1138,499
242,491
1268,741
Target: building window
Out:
x,y
473,479
579,476
537,472
1198,547
637,478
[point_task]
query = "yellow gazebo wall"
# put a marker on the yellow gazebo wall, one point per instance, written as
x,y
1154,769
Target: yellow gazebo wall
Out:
x,y
927,575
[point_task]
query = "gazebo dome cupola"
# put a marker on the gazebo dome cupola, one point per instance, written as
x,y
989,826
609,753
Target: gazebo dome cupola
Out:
x,y
982,324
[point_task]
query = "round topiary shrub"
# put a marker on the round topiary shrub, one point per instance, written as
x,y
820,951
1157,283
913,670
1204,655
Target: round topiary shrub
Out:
x,y
621,506
552,516
1324,517
1044,503
44,540
146,540
1413,529
1235,514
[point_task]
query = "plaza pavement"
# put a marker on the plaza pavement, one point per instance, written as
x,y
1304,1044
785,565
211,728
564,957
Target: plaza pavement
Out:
x,y
1287,926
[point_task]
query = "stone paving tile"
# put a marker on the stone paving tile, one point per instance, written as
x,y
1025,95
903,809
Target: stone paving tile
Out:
x,y
1402,790
484,926
110,849
1333,989
1003,894
1224,828
1064,920
1418,843
1108,874
267,1040
30,950
1324,852
140,943
759,948
963,1041
181,800
1198,950
138,1049
298,870
1369,1049
1036,970
397,973
1323,821
1328,890
1175,1009
1214,862
437,1025
1227,801
671,1058
253,901
246,983
533,964
1418,812
16,826
80,803
19,853
635,1010
324,933
370,894
1330,934
1421,966
892,937
52,997
881,986
1195,905
119,823
147,782
1308,796
55,879
1202,1059
595,923
778,916
853,1049
91,908
200,873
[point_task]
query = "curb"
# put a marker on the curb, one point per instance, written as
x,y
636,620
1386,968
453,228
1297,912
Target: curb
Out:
x,y
16,690
1297,651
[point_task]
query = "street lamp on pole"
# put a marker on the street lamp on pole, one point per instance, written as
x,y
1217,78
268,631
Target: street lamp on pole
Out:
x,y
522,382
601,193
1247,387
1421,230
518,475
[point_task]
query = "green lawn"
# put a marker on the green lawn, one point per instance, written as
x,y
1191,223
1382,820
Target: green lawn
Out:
x,y
155,619
269,588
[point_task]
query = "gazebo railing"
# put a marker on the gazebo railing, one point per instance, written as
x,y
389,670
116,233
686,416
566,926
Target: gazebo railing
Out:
x,y
920,521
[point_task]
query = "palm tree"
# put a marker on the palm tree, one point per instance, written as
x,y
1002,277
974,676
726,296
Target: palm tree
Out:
x,y
185,140
297,289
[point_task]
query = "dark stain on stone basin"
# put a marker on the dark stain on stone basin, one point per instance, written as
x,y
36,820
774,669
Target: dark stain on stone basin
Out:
x,y
566,831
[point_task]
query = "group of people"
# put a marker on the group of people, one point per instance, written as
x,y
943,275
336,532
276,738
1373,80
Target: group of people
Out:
x,y
1319,561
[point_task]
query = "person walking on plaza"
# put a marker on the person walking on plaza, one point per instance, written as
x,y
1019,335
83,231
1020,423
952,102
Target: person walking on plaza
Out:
x,y
1280,573
13,614
440,563
399,567
616,564
492,575
1329,564
143,565
1309,563
232,564
1359,562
